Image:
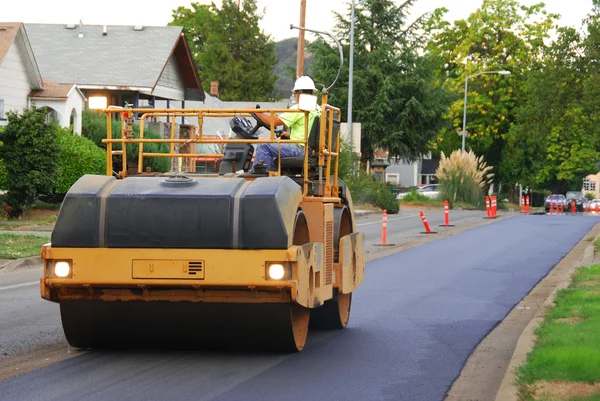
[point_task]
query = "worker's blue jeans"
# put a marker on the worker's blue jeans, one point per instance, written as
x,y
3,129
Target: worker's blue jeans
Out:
x,y
267,152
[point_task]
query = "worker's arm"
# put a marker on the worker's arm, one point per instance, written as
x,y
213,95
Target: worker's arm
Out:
x,y
268,119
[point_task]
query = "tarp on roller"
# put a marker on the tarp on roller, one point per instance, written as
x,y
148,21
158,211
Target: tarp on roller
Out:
x,y
151,212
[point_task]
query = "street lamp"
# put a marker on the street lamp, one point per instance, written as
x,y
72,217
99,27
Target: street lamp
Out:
x,y
464,130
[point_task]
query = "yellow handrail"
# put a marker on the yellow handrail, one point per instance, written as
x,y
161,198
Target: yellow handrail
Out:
x,y
327,157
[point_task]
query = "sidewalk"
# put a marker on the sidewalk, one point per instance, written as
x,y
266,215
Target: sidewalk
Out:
x,y
12,264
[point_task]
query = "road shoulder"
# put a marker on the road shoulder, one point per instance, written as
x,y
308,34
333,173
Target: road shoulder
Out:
x,y
488,372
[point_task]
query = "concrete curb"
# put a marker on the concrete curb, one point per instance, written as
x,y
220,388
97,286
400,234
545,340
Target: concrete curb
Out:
x,y
526,341
30,262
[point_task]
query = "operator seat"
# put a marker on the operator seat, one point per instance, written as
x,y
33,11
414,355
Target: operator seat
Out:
x,y
295,165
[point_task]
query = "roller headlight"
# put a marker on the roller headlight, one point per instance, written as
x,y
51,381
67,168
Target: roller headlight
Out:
x,y
276,271
62,269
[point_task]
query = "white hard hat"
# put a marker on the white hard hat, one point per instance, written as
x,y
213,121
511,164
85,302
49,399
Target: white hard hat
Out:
x,y
304,83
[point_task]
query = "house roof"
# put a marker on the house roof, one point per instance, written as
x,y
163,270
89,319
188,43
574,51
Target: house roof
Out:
x,y
124,58
52,90
8,32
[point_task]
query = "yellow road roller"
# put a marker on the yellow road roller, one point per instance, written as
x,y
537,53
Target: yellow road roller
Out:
x,y
240,258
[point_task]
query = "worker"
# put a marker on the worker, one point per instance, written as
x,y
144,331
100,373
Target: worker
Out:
x,y
294,123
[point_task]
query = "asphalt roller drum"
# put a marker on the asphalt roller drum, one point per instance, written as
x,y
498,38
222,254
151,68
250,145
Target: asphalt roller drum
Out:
x,y
189,325
170,325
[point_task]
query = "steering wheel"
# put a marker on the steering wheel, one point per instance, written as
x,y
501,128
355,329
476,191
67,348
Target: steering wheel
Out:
x,y
260,122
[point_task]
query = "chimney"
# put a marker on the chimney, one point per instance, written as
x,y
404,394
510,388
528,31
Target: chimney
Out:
x,y
214,88
104,30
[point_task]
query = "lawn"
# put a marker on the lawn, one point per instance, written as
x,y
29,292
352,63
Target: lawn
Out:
x,y
34,220
20,246
565,361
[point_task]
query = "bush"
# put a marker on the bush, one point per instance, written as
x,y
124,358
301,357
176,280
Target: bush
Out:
x,y
94,128
414,197
347,162
364,189
463,177
30,152
78,156
3,173
3,176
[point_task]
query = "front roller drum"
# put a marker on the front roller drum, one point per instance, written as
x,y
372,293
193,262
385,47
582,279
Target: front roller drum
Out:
x,y
172,325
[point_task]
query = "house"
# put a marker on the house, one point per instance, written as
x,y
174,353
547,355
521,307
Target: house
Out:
x,y
19,73
406,174
65,103
21,83
114,65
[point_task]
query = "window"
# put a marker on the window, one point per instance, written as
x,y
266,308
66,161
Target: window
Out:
x,y
2,109
589,185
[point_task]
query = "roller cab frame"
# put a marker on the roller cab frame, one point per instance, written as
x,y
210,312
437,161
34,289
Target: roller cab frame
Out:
x,y
280,246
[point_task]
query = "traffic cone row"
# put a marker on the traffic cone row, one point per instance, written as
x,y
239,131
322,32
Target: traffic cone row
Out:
x,y
491,207
525,205
560,209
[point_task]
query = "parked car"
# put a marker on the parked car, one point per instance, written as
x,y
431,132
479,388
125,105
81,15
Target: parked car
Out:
x,y
580,200
556,200
431,191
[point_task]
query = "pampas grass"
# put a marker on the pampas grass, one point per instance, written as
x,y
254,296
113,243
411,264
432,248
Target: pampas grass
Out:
x,y
463,177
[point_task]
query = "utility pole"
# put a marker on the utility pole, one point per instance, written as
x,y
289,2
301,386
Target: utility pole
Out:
x,y
350,78
300,59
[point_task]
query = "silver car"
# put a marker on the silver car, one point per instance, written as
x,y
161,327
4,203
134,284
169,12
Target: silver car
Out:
x,y
431,191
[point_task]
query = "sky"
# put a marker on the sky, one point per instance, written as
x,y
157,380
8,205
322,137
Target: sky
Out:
x,y
278,14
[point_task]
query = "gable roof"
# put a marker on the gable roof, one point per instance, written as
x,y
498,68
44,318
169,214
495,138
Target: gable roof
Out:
x,y
14,32
124,58
8,32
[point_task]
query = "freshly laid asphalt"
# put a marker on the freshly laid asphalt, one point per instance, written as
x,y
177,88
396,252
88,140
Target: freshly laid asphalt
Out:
x,y
415,319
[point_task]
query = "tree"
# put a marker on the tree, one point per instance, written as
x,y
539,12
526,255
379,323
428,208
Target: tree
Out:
x,y
30,152
500,35
555,142
229,47
396,96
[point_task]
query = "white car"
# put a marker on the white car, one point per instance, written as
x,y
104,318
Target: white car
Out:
x,y
431,191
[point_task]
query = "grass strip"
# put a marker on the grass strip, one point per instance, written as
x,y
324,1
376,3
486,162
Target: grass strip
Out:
x,y
565,361
14,246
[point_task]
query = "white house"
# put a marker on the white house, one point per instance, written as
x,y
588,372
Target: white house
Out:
x,y
19,74
21,83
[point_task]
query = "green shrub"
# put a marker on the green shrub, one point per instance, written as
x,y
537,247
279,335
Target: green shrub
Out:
x,y
462,178
3,176
30,154
414,197
3,173
364,189
78,156
347,162
94,128
590,195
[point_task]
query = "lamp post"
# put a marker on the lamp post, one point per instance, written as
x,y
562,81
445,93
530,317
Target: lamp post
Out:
x,y
464,130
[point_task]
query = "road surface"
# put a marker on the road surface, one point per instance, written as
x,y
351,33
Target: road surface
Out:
x,y
415,320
